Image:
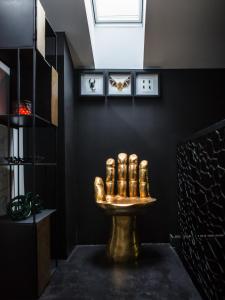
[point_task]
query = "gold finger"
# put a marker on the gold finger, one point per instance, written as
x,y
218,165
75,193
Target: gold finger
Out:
x,y
122,175
99,189
133,170
143,179
110,176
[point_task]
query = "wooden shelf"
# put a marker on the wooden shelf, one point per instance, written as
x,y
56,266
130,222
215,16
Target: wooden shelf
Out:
x,y
29,164
24,121
38,217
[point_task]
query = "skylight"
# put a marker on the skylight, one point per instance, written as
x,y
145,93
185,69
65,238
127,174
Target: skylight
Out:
x,y
118,11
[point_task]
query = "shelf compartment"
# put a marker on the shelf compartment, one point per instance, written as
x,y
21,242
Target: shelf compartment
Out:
x,y
10,57
4,143
14,181
26,59
24,121
45,145
46,184
4,188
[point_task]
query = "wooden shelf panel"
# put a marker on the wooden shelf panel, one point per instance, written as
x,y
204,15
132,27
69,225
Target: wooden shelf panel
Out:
x,y
39,217
24,121
29,164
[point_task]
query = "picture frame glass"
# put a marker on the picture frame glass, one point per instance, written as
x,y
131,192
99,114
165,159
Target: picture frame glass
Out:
x,y
147,85
120,84
92,85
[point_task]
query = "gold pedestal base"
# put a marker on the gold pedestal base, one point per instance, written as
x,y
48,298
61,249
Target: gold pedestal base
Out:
x,y
123,244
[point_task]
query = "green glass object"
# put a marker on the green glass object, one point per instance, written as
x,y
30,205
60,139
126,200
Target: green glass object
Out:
x,y
22,206
35,202
18,208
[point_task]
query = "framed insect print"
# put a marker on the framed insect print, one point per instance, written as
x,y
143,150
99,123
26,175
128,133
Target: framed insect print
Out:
x,y
92,84
147,85
119,84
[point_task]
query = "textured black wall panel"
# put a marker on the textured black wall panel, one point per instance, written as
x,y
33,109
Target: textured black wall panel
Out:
x,y
201,213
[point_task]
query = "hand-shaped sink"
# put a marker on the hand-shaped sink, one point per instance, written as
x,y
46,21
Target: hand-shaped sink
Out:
x,y
123,244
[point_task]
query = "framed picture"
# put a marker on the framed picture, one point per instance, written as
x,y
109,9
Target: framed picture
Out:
x,y
147,84
119,84
92,84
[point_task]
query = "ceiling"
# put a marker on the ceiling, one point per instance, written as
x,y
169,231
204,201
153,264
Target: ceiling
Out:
x,y
179,33
185,34
70,16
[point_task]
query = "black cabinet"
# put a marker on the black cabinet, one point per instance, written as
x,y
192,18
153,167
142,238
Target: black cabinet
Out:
x,y
28,139
25,256
24,24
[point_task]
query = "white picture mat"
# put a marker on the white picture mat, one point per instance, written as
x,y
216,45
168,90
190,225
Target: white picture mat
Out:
x,y
85,84
147,84
119,78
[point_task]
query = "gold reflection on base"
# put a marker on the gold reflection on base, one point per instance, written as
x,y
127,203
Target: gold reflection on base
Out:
x,y
123,243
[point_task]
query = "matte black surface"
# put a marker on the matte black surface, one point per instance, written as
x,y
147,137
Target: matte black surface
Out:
x,y
201,185
17,23
18,262
67,139
150,127
158,275
10,58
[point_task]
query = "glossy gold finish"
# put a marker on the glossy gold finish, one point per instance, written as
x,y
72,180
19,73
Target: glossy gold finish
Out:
x,y
122,174
143,179
99,189
125,247
133,173
110,176
123,244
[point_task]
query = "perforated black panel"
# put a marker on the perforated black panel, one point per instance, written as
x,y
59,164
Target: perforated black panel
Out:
x,y
201,209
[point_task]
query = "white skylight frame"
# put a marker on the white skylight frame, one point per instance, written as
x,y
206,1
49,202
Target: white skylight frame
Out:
x,y
119,18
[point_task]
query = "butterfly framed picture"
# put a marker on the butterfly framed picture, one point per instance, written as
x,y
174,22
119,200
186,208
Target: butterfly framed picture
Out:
x,y
120,84
92,84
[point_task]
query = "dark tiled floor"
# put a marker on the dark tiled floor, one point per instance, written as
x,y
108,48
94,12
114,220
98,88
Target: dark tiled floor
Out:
x,y
159,274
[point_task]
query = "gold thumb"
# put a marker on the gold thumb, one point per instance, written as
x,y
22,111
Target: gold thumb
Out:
x,y
99,189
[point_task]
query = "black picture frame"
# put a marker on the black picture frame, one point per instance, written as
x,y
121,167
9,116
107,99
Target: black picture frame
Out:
x,y
92,73
124,72
145,75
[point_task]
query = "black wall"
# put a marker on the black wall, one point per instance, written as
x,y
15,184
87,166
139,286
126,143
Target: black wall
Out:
x,y
67,132
151,128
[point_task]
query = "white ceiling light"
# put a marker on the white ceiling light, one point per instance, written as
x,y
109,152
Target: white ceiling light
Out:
x,y
118,11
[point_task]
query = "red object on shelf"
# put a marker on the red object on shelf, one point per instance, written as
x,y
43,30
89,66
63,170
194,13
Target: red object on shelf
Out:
x,y
24,108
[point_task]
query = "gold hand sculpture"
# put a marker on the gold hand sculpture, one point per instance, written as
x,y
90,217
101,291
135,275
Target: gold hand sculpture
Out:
x,y
123,244
122,180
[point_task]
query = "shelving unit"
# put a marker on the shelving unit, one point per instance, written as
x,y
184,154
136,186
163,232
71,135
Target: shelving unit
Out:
x,y
28,151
